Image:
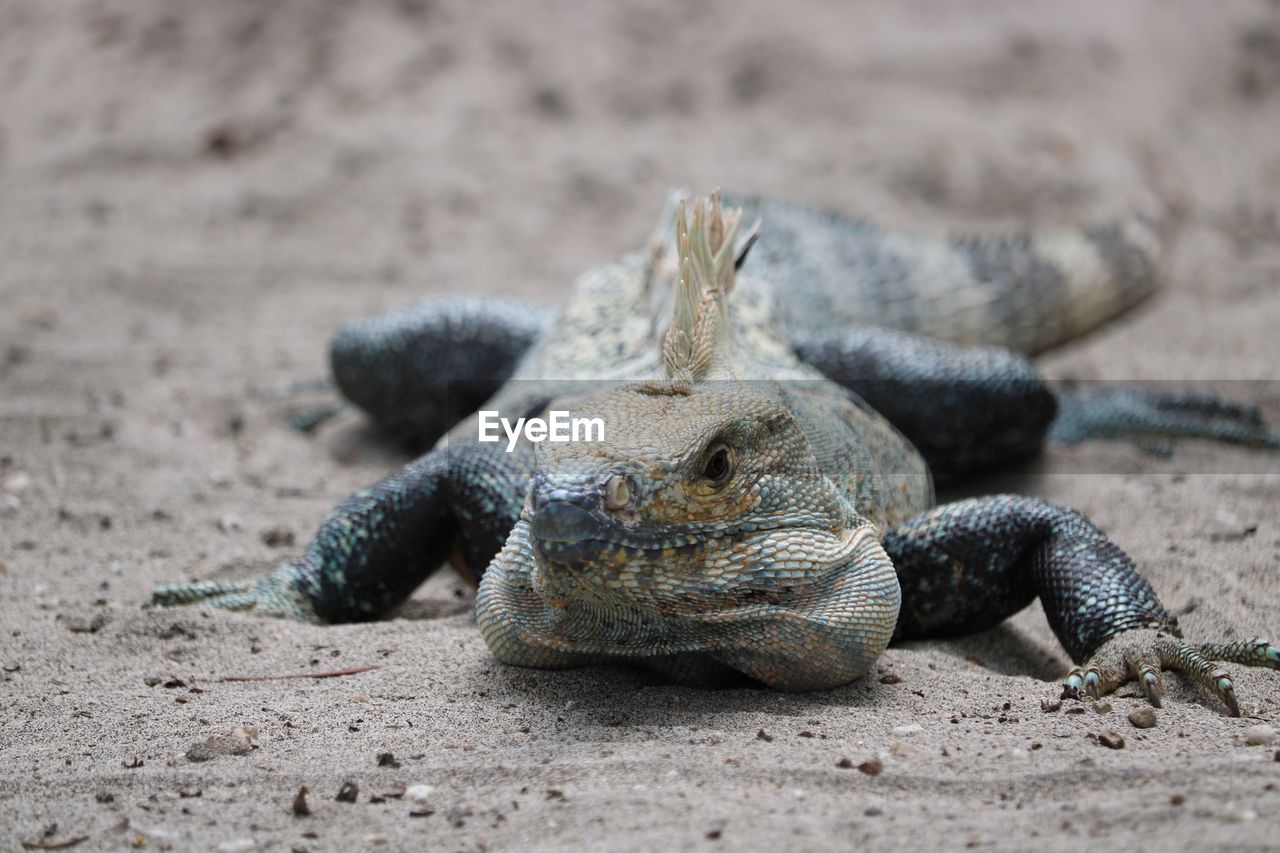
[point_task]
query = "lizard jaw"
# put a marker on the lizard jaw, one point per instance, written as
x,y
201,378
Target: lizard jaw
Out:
x,y
535,613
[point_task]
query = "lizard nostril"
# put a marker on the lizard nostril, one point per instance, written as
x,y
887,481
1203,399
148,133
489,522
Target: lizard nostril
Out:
x,y
617,492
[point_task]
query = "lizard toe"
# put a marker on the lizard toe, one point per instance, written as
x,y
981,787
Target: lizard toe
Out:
x,y
1177,654
1141,654
1255,652
277,594
1100,675
196,592
1145,668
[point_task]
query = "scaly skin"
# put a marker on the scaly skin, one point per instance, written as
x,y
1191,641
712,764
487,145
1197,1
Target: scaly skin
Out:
x,y
748,513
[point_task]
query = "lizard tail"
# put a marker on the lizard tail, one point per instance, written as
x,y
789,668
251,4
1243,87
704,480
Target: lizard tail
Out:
x,y
1026,292
1035,291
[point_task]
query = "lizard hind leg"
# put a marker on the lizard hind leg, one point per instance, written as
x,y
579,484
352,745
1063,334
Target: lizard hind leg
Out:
x,y
1133,412
968,410
419,370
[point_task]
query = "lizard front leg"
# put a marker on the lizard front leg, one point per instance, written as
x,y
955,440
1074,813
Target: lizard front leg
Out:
x,y
968,565
378,545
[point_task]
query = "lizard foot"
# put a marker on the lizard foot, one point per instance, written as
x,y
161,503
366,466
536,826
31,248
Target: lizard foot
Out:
x,y
1092,413
276,594
1141,654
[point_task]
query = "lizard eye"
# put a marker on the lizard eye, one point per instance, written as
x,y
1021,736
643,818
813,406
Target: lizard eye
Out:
x,y
719,466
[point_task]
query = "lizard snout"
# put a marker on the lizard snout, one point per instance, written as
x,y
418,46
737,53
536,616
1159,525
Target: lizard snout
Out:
x,y
563,521
564,516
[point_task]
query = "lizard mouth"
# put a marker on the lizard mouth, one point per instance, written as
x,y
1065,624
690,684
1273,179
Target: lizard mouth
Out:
x,y
568,533
597,551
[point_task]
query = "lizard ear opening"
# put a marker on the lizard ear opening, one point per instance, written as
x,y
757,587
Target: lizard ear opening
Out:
x,y
707,245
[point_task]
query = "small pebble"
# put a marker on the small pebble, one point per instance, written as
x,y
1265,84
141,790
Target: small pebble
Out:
x,y
1260,735
237,846
79,624
908,730
418,793
903,749
872,766
300,807
16,481
1050,705
277,537
1143,718
1111,739
1102,707
348,793
239,741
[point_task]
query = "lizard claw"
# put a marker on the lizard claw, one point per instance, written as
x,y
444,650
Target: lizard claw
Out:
x,y
1092,683
1072,685
1141,654
1150,680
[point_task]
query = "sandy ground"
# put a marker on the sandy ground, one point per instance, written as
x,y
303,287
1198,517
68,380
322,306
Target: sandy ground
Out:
x,y
194,195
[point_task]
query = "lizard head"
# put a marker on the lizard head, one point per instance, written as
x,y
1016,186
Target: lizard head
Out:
x,y
701,497
701,523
